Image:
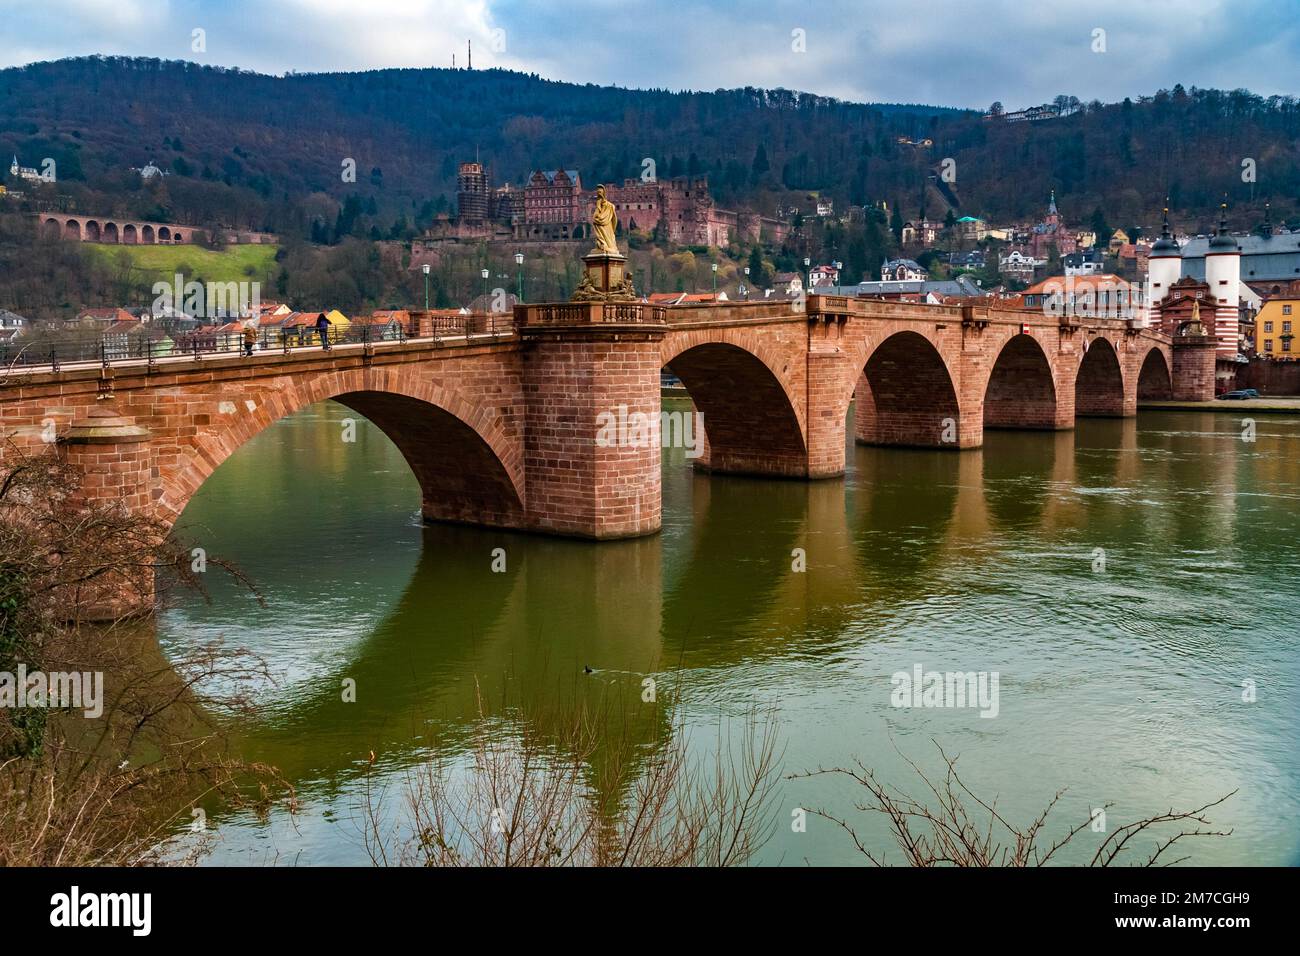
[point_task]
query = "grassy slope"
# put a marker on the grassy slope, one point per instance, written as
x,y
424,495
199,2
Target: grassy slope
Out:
x,y
161,263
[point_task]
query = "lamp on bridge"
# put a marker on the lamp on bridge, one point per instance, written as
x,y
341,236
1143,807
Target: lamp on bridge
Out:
x,y
485,273
519,261
425,269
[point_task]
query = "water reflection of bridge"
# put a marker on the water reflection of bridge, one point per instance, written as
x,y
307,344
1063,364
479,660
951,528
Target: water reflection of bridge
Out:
x,y
718,588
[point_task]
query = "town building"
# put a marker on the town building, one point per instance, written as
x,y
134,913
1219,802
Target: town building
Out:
x,y
24,172
921,232
106,316
900,270
1019,265
12,325
788,283
971,229
975,259
1275,326
823,275
1051,234
1103,295
915,290
1084,263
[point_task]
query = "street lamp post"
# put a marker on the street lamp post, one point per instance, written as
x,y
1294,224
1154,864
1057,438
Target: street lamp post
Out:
x,y
807,268
485,273
519,261
746,283
715,278
425,269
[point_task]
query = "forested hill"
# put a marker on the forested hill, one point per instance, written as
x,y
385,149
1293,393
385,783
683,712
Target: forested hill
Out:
x,y
267,152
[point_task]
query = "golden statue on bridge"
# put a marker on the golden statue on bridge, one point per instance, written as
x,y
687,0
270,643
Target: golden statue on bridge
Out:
x,y
605,278
604,224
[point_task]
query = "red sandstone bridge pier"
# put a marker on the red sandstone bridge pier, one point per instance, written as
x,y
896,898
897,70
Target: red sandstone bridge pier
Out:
x,y
501,430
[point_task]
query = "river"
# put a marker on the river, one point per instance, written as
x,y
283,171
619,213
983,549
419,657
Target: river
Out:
x,y
1128,582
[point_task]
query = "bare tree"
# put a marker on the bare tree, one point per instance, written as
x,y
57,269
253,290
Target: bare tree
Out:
x,y
109,789
584,794
963,829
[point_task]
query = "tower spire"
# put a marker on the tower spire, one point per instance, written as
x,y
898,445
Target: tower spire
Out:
x,y
1223,217
1164,230
1051,204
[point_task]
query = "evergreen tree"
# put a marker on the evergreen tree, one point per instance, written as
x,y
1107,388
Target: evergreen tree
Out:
x,y
758,169
896,224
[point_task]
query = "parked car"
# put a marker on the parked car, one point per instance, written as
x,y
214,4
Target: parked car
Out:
x,y
1240,394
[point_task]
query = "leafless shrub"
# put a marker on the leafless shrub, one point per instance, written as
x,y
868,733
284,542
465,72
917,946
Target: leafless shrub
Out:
x,y
570,789
81,791
962,829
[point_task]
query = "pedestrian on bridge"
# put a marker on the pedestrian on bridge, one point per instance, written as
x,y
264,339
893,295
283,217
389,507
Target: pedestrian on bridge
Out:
x,y
323,327
250,339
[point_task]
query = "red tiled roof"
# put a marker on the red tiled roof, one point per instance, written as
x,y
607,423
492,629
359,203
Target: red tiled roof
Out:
x,y
106,315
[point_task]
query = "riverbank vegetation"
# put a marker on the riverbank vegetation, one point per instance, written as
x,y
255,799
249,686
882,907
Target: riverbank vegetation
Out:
x,y
104,780
954,826
571,786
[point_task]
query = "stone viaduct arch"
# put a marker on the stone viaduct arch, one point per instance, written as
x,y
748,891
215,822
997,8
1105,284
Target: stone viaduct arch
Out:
x,y
743,387
469,468
940,383
111,230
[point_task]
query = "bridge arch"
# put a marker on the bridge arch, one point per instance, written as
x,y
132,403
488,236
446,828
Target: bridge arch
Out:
x,y
753,422
129,234
72,229
92,230
146,235
1099,383
1155,383
905,396
110,232
52,227
468,467
1021,391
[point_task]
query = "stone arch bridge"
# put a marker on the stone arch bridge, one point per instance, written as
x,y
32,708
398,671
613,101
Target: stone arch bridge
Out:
x,y
113,230
502,430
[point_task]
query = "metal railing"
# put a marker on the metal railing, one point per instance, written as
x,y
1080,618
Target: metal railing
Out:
x,y
53,355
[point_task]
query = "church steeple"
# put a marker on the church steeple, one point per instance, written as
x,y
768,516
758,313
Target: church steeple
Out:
x,y
1051,204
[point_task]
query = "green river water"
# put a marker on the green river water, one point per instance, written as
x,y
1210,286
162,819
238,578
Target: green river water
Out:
x,y
1123,684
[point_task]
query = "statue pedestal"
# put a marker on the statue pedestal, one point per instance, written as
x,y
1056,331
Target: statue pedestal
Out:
x,y
604,279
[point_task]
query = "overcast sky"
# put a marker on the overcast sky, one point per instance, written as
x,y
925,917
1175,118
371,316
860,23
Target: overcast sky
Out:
x,y
1020,52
